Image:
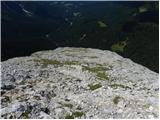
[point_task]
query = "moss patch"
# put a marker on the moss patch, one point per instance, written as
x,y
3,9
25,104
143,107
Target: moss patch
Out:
x,y
116,100
94,86
99,71
46,62
119,47
102,75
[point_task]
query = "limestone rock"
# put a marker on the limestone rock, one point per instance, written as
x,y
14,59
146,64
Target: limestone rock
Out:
x,y
77,83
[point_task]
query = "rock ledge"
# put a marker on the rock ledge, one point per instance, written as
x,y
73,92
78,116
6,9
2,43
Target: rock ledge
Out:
x,y
77,83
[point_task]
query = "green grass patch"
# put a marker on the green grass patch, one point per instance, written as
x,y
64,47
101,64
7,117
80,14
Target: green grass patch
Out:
x,y
94,86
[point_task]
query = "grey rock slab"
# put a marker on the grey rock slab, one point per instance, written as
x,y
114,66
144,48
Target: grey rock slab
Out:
x,y
78,83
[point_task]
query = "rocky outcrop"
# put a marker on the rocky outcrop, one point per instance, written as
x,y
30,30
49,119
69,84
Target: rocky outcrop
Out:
x,y
77,83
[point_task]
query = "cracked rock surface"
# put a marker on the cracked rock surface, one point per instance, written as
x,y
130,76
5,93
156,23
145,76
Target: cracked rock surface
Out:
x,y
73,83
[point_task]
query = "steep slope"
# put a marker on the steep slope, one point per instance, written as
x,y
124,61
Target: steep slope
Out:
x,y
77,83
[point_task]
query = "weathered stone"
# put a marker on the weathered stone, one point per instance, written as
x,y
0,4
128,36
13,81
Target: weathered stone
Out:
x,y
77,83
